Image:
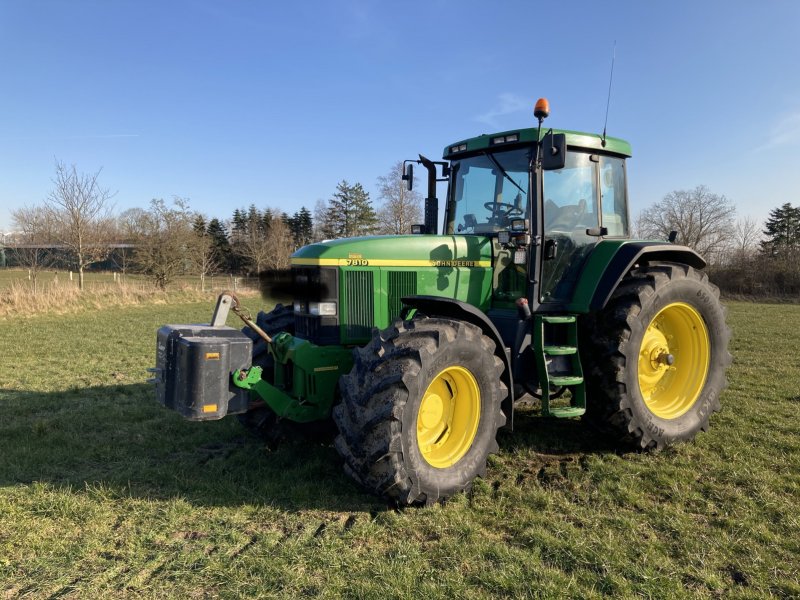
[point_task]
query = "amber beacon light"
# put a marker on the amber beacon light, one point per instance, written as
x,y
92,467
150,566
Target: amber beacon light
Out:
x,y
542,109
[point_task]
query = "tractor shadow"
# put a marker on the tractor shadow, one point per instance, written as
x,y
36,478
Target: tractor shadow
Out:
x,y
120,438
554,437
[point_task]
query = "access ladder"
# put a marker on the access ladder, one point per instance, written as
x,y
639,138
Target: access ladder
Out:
x,y
563,328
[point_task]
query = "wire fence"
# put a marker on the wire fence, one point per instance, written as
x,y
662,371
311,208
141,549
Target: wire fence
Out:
x,y
220,282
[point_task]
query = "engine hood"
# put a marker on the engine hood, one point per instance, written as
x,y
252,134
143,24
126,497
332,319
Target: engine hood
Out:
x,y
399,251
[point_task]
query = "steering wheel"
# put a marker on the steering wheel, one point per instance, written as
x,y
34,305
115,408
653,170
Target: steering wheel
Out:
x,y
496,206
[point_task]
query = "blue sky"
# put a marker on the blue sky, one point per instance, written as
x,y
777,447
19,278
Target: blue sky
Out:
x,y
229,103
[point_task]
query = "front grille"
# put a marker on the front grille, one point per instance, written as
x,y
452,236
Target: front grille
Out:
x,y
401,283
359,294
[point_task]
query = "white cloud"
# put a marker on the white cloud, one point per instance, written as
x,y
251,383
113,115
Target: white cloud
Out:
x,y
507,104
785,132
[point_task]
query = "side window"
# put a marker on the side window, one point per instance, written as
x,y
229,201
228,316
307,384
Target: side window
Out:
x,y
571,195
612,196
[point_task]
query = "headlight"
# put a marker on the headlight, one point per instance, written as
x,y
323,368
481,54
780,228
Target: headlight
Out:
x,y
299,307
324,309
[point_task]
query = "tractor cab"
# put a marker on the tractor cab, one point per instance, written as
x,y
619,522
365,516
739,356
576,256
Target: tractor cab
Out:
x,y
543,217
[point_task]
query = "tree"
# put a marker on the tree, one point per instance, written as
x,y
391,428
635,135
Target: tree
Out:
x,y
220,243
279,239
254,244
164,250
80,211
201,251
33,244
703,220
304,227
400,207
324,226
746,234
782,232
350,212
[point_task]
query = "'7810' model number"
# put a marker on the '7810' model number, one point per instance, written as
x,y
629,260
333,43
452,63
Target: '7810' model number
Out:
x,y
357,262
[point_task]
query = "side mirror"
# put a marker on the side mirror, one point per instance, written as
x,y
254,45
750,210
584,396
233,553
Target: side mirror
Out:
x,y
554,151
408,176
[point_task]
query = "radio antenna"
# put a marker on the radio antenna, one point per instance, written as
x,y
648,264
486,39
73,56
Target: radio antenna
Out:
x,y
608,101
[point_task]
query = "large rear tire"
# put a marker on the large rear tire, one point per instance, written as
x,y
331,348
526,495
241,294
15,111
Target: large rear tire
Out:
x,y
420,410
656,357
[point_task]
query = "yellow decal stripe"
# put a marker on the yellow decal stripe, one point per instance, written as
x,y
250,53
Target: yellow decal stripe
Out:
x,y
380,262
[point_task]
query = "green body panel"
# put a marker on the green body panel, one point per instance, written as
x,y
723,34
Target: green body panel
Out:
x,y
435,248
529,135
452,266
306,391
592,273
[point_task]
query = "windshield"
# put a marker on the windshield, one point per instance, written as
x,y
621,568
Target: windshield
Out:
x,y
488,191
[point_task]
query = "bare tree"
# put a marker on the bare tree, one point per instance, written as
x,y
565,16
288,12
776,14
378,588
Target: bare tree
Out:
x,y
164,250
129,231
255,244
703,220
202,251
80,210
279,239
400,207
33,245
745,236
323,228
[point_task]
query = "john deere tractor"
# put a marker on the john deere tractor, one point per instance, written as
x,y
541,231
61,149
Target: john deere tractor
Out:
x,y
417,346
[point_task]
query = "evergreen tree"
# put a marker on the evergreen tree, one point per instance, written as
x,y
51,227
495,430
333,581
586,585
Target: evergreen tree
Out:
x,y
254,218
304,227
266,220
782,231
239,222
199,225
350,211
220,242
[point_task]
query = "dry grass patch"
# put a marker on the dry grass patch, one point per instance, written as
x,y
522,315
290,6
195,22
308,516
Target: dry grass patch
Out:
x,y
19,299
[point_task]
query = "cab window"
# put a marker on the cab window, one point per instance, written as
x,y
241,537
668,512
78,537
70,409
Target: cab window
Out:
x,y
612,196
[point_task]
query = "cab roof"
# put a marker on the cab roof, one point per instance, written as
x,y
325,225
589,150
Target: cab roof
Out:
x,y
515,137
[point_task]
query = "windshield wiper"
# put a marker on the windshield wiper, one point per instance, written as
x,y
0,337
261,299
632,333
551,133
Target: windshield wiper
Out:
x,y
504,172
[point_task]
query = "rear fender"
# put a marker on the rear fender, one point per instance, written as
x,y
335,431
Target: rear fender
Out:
x,y
603,273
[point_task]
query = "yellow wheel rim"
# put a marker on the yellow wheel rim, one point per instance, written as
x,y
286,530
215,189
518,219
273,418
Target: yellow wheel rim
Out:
x,y
674,360
448,417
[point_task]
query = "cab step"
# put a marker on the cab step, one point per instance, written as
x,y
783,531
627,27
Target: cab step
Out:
x,y
566,380
565,412
560,350
557,336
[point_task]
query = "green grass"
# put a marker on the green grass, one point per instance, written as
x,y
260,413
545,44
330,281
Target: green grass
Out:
x,y
103,493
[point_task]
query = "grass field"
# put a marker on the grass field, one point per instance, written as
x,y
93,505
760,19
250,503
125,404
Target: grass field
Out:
x,y
103,493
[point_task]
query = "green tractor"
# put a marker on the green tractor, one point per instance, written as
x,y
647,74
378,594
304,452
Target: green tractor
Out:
x,y
418,346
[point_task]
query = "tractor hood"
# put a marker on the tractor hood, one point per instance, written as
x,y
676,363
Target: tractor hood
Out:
x,y
399,251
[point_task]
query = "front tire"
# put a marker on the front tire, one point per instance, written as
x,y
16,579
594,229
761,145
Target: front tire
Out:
x,y
420,410
656,357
